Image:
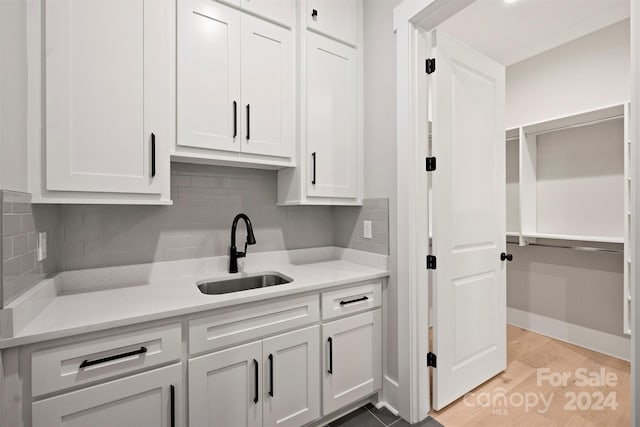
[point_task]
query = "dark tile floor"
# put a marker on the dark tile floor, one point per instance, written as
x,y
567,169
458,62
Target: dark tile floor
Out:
x,y
370,416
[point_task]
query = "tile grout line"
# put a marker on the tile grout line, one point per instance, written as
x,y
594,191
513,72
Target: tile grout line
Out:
x,y
379,420
394,422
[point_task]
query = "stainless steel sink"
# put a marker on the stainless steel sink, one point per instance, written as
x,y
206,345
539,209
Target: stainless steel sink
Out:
x,y
225,286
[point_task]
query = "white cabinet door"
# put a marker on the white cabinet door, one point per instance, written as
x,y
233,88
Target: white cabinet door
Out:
x,y
291,365
335,18
278,10
208,89
267,88
150,399
225,388
331,124
108,96
469,333
352,355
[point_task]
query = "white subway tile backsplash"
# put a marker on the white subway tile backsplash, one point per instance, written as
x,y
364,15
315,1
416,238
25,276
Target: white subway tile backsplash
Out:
x,y
198,224
21,222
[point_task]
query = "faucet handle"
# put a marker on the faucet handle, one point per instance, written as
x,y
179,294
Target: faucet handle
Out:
x,y
242,254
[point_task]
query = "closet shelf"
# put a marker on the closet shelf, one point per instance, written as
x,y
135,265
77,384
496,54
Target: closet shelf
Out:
x,y
615,112
513,234
575,237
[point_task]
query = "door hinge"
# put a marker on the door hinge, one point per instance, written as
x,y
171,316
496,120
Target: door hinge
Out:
x,y
431,360
431,262
430,65
431,164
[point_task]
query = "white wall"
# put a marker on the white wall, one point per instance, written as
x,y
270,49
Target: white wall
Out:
x,y
13,96
380,141
590,72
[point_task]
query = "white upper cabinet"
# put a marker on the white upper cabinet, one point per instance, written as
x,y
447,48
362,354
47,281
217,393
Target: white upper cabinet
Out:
x,y
281,11
108,109
235,87
331,118
208,75
267,88
334,18
329,163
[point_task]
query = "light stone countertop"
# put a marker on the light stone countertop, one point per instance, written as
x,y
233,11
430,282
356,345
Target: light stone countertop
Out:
x,y
94,300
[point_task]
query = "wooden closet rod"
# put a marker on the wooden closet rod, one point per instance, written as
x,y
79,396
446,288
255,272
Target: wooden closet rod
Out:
x,y
577,125
577,248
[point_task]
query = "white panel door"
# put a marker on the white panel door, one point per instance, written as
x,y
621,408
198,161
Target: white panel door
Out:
x,y
335,18
208,91
225,388
352,359
143,400
108,74
469,212
291,366
278,10
267,88
331,118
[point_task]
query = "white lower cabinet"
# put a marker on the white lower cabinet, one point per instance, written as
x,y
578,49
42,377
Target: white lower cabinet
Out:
x,y
274,382
292,378
225,388
150,399
352,352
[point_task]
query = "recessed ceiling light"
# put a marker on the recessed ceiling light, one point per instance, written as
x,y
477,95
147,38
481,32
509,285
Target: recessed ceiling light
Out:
x,y
510,1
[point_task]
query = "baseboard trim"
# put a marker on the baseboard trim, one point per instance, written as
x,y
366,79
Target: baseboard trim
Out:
x,y
602,342
390,393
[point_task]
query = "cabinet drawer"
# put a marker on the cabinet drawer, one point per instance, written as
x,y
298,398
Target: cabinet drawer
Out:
x,y
234,326
83,362
351,300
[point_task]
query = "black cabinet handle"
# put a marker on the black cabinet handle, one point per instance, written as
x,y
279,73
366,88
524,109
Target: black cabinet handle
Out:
x,y
271,375
248,122
86,363
235,119
153,155
507,257
172,392
354,300
330,341
313,180
314,13
255,371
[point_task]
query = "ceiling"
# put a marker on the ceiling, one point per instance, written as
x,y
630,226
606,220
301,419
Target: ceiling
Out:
x,y
511,32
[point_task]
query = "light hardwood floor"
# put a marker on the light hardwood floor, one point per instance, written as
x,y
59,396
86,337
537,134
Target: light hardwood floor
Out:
x,y
527,353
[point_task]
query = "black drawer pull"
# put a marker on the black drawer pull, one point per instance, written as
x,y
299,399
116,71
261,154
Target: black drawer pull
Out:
x,y
507,257
330,341
86,363
248,122
271,375
353,300
255,371
235,119
153,155
172,392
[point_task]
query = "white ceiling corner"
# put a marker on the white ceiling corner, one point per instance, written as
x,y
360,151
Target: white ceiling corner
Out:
x,y
511,32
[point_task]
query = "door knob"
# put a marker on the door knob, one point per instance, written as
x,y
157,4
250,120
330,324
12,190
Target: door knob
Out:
x,y
507,257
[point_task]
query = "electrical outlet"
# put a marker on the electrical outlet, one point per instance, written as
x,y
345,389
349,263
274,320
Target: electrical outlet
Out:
x,y
367,230
42,246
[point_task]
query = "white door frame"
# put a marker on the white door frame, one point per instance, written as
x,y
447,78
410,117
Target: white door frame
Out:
x,y
411,20
634,123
